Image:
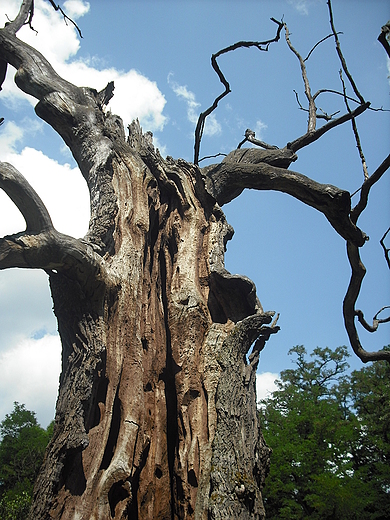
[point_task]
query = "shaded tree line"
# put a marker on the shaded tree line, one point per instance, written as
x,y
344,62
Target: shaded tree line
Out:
x,y
22,448
330,435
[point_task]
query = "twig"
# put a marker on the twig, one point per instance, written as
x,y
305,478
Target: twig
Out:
x,y
66,17
340,54
311,125
262,46
212,156
385,249
318,43
355,130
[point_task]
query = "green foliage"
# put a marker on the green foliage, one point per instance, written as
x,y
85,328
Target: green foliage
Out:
x,y
15,503
22,447
329,433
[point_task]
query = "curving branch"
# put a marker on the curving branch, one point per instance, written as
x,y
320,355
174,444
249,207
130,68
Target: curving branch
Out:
x,y
265,170
40,246
25,198
262,46
349,312
386,250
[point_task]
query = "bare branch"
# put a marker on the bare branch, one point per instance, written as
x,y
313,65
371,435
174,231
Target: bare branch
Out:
x,y
365,189
311,125
375,321
220,154
66,17
262,46
318,43
385,249
250,136
310,137
349,312
227,180
355,130
324,115
26,199
24,17
341,57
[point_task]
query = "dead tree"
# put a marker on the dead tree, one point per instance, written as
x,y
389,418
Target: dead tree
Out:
x,y
156,414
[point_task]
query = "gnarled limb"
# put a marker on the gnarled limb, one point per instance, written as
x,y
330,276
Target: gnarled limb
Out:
x,y
40,246
259,170
26,199
349,312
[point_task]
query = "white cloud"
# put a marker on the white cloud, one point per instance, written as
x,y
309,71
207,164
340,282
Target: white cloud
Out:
x,y
134,96
302,6
260,127
29,374
212,126
62,188
265,384
75,9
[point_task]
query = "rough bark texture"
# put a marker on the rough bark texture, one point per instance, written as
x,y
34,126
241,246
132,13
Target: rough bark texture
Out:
x,y
156,414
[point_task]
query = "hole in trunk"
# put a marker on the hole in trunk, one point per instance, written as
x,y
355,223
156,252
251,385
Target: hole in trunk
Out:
x,y
117,493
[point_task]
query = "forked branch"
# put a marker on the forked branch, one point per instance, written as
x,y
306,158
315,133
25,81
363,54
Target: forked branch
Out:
x,y
40,246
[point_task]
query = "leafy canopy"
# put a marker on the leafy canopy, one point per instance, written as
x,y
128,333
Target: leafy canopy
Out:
x,y
329,433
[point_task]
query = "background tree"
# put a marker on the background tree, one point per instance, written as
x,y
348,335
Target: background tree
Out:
x,y
22,447
157,392
329,454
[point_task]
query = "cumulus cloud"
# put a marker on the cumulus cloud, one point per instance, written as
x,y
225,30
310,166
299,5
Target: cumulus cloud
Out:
x,y
265,384
134,96
260,127
302,6
212,126
29,374
61,187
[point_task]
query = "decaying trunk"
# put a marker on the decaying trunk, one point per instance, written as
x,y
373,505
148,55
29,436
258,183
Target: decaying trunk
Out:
x,y
156,416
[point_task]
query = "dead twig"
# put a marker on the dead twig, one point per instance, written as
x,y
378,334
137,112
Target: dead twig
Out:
x,y
311,125
261,46
386,250
66,17
355,130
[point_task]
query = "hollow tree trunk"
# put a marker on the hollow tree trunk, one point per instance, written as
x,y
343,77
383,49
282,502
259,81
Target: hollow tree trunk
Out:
x,y
156,416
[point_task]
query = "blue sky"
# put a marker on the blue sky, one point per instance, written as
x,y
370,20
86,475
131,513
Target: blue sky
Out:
x,y
158,54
